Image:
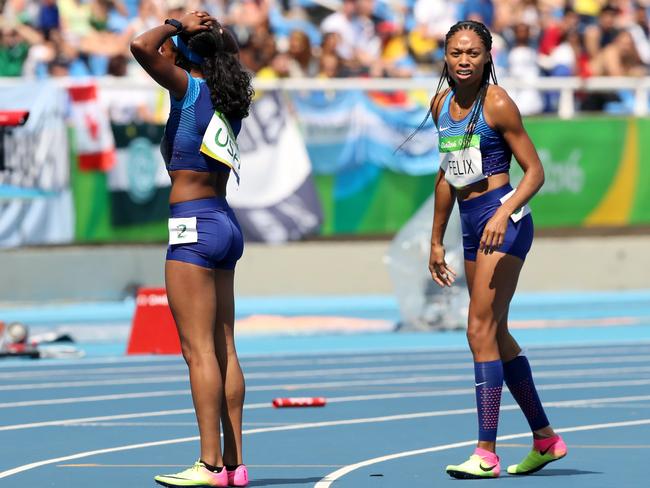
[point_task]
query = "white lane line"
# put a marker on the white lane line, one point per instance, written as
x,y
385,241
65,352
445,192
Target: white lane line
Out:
x,y
332,384
326,481
342,357
379,396
308,425
431,365
159,413
95,398
255,406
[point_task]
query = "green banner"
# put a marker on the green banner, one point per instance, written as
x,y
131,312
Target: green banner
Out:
x,y
135,207
595,172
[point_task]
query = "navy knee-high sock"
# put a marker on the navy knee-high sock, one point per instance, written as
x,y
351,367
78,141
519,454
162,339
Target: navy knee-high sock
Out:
x,y
519,379
489,383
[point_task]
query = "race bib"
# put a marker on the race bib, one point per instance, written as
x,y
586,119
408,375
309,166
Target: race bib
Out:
x,y
183,230
219,143
462,167
518,214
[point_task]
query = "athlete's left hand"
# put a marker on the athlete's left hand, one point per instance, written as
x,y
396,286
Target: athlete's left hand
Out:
x,y
494,232
195,21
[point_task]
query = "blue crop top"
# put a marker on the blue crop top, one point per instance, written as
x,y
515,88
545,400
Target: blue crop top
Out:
x,y
188,120
495,152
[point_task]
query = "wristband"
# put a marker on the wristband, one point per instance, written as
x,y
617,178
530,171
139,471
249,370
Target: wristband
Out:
x,y
175,23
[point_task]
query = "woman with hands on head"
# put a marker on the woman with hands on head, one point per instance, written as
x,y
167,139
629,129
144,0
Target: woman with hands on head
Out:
x,y
196,59
480,129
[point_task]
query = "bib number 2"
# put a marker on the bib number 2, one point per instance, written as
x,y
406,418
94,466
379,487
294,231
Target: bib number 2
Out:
x,y
183,230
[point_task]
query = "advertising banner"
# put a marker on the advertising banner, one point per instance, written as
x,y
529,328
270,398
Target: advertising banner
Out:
x,y
35,199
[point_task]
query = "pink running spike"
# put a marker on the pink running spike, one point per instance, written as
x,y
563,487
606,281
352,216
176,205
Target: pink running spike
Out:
x,y
238,477
555,444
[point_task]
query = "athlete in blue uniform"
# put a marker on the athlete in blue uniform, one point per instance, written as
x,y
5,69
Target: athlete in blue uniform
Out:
x,y
197,61
480,129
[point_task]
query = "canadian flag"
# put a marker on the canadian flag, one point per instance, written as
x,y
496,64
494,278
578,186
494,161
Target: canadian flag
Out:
x,y
93,134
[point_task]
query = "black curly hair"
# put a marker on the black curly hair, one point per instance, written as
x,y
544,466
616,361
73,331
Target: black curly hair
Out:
x,y
488,75
229,83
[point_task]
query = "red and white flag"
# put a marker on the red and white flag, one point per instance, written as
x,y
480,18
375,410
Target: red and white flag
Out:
x,y
93,134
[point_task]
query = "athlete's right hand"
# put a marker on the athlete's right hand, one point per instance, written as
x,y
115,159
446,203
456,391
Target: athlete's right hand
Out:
x,y
194,22
440,271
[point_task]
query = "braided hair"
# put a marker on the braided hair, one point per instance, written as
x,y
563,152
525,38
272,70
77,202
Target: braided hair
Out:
x,y
488,75
229,83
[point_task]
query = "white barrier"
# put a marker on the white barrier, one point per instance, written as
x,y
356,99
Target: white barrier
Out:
x,y
566,86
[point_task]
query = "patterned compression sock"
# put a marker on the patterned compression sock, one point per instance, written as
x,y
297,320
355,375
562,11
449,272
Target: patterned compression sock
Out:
x,y
489,383
519,379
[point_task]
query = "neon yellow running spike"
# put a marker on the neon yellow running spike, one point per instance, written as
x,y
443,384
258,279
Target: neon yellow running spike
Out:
x,y
539,457
198,476
474,468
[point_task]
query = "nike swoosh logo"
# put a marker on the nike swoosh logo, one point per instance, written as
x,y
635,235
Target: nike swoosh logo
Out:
x,y
486,469
546,450
479,384
442,129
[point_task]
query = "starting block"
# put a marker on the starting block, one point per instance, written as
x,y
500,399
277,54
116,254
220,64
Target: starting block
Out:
x,y
153,330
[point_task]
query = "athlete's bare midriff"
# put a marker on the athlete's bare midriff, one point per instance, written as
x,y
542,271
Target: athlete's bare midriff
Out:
x,y
193,185
480,187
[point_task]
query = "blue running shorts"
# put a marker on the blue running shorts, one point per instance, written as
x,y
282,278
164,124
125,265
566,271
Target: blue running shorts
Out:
x,y
476,212
219,240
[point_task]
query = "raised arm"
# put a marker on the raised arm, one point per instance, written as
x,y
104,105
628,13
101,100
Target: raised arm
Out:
x,y
161,67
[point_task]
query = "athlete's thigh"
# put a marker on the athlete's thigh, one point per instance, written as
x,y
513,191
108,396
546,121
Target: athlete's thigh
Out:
x,y
470,272
494,284
192,299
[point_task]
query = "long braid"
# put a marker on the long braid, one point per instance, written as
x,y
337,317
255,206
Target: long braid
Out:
x,y
431,110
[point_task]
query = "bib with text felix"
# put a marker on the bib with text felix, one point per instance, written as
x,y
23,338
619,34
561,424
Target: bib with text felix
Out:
x,y
462,167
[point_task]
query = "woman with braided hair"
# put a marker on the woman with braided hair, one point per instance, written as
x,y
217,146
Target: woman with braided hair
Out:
x,y
480,129
196,59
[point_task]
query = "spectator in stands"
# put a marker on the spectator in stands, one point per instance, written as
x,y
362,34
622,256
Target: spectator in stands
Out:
x,y
278,67
48,16
259,48
341,22
100,11
433,18
367,43
568,58
588,11
302,62
478,10
330,66
247,17
15,42
600,35
554,30
523,66
640,31
150,14
619,58
395,60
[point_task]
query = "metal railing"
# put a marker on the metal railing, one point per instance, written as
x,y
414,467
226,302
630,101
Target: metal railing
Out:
x,y
567,87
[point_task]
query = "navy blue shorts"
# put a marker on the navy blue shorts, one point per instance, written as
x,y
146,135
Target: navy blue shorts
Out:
x,y
476,212
220,241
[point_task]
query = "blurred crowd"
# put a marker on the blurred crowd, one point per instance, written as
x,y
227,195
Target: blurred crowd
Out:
x,y
335,38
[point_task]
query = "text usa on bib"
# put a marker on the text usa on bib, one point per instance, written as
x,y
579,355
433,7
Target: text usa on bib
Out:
x,y
462,167
219,143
